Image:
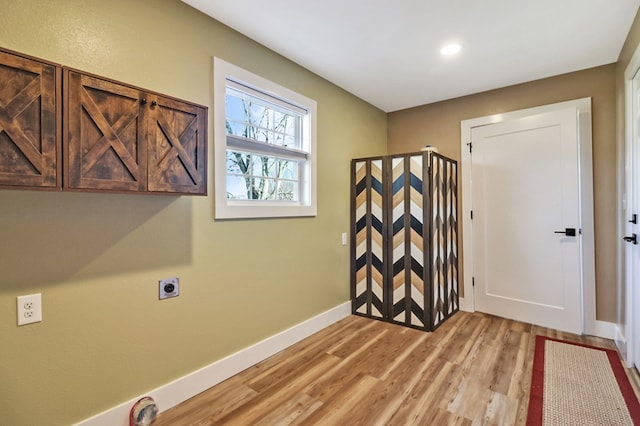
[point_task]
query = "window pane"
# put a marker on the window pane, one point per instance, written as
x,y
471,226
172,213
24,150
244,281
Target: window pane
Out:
x,y
283,123
238,162
236,188
271,167
279,121
274,168
237,129
258,114
251,188
269,189
260,120
291,125
259,134
278,138
261,188
254,176
235,108
261,165
288,169
254,191
287,191
291,142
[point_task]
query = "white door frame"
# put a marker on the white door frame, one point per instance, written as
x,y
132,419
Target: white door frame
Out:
x,y
583,112
625,327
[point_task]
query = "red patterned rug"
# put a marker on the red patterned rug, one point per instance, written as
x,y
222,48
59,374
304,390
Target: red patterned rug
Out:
x,y
574,384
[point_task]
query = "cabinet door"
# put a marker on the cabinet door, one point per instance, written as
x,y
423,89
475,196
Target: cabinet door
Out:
x,y
29,122
104,134
177,147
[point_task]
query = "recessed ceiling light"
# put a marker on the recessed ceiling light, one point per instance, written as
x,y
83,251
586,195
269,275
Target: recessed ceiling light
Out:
x,y
450,49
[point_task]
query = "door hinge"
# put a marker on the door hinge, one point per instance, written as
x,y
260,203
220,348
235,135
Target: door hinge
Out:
x,y
470,145
473,281
471,214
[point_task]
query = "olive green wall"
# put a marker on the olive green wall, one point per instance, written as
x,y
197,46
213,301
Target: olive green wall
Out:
x,y
96,258
438,124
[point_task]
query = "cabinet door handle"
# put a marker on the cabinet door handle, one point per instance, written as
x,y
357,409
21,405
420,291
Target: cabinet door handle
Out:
x,y
143,101
154,103
633,239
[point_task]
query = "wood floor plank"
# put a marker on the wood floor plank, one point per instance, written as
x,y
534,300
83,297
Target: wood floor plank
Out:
x,y
299,406
385,400
401,362
274,396
351,405
501,410
329,336
360,338
475,369
282,374
423,399
348,368
470,398
442,417
463,339
520,376
227,398
505,362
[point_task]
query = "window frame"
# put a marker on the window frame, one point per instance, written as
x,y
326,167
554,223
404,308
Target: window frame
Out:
x,y
241,209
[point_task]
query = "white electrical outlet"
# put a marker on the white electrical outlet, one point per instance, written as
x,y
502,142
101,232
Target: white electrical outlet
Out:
x,y
169,287
29,309
344,238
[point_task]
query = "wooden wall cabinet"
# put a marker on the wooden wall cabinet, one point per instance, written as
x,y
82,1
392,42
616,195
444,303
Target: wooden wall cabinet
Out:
x,y
126,139
100,134
30,148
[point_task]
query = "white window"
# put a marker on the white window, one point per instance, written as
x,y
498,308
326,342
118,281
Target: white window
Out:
x,y
264,147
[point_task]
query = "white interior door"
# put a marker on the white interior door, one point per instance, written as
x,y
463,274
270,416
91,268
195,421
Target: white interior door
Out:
x,y
632,227
525,202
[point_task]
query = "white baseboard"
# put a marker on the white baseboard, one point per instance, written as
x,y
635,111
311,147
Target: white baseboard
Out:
x,y
180,390
466,305
620,339
621,344
605,329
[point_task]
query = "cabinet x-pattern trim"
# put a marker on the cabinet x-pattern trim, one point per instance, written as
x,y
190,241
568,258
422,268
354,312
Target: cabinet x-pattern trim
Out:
x,y
9,115
29,122
177,151
110,138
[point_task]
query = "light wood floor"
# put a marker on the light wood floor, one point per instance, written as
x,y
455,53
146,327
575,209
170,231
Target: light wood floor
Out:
x,y
475,369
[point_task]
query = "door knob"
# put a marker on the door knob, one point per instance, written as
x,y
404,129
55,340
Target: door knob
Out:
x,y
569,232
632,239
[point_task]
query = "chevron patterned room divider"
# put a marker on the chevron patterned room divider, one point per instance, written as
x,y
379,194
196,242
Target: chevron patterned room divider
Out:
x,y
404,239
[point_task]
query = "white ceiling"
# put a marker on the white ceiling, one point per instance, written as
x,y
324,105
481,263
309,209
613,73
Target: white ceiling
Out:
x,y
387,52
